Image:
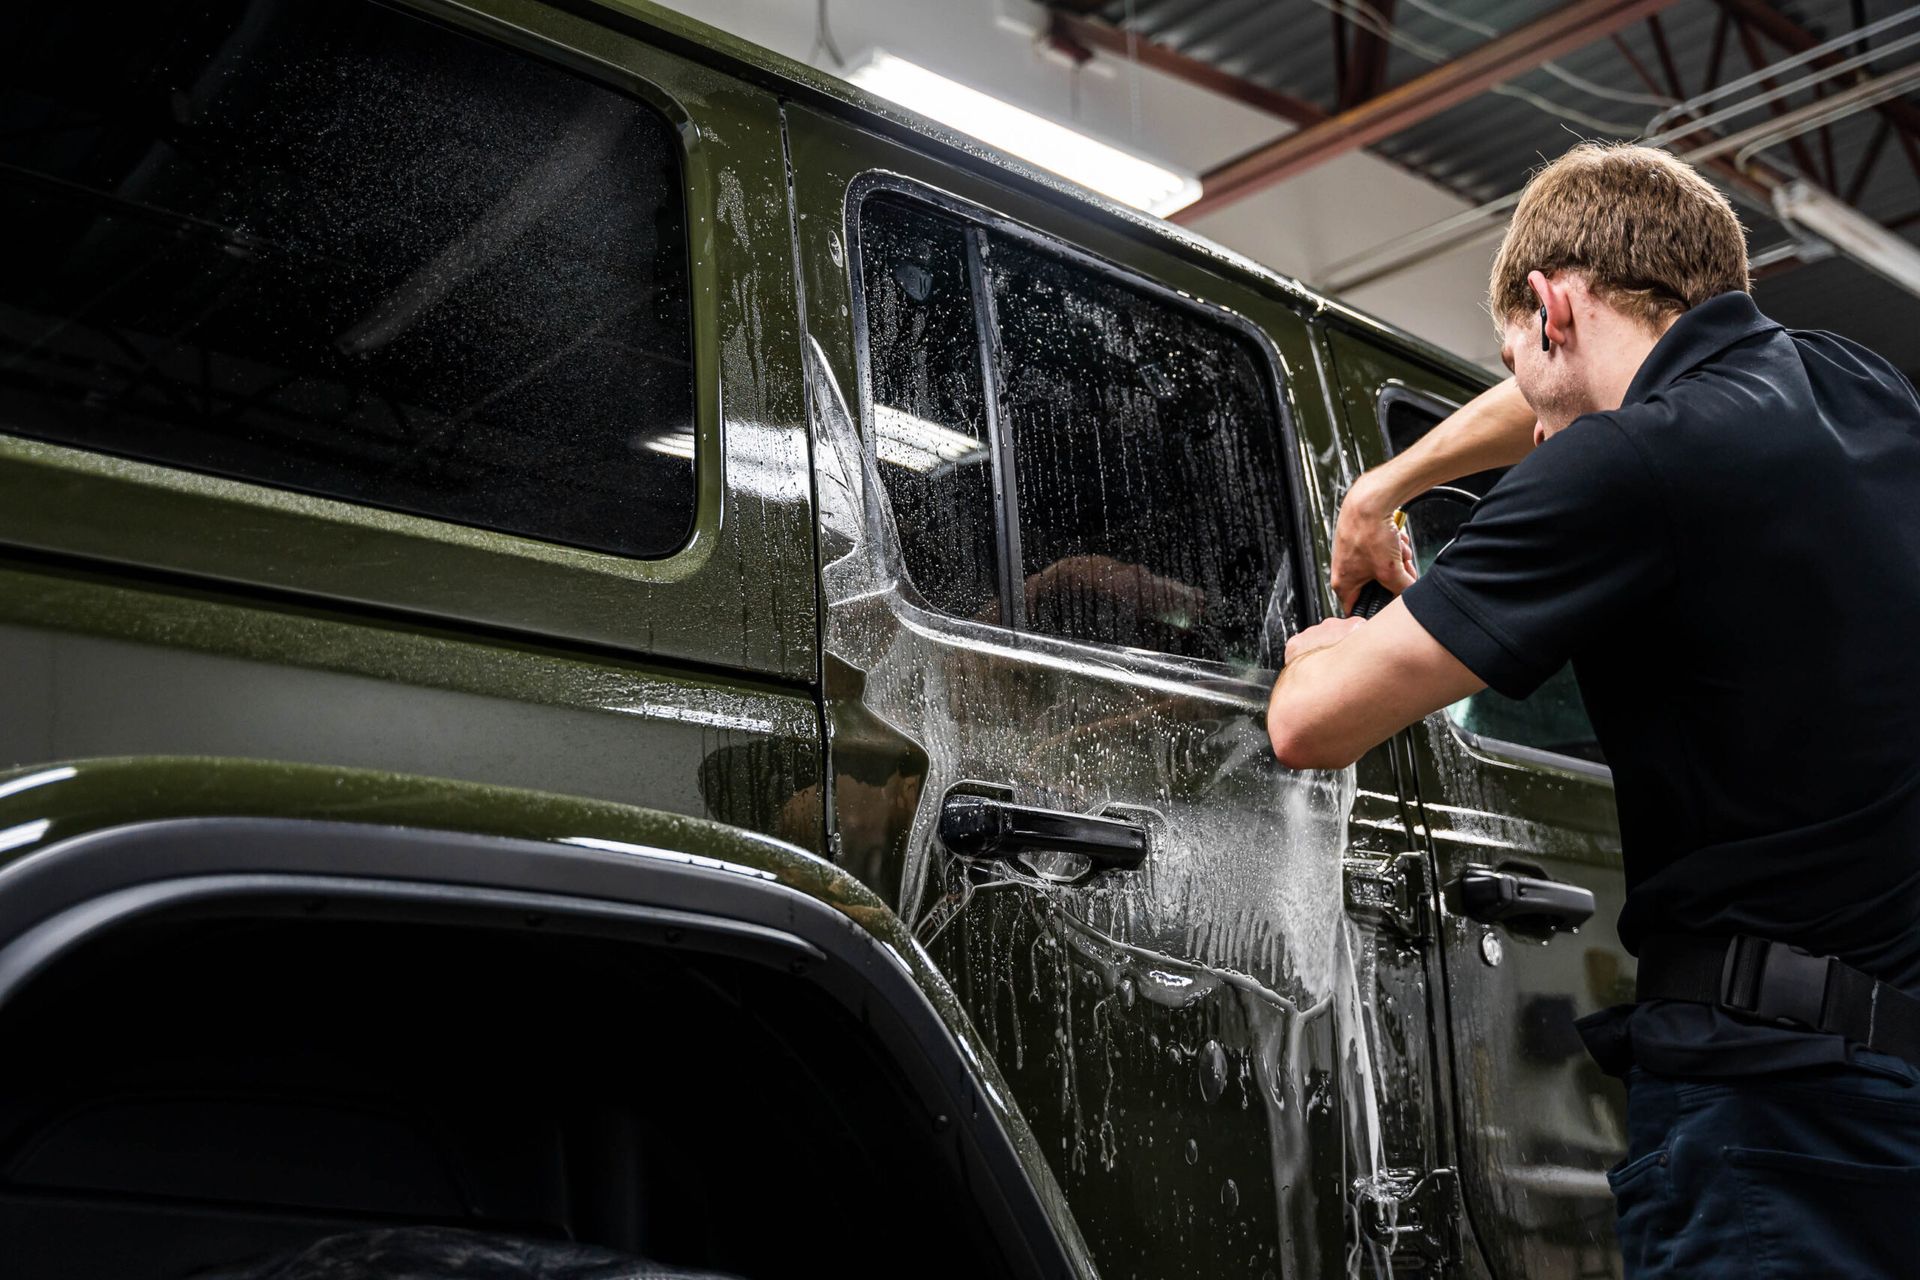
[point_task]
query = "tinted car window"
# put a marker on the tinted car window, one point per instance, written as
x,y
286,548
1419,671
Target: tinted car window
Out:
x,y
928,414
1553,718
1148,459
326,245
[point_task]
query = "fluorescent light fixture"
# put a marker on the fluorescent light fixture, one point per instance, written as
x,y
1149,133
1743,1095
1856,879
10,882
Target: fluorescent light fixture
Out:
x,y
908,440
1859,237
1071,154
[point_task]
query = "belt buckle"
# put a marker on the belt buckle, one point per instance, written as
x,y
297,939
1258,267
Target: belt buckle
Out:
x,y
1777,983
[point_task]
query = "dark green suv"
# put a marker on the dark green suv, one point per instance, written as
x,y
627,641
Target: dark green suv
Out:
x,y
606,641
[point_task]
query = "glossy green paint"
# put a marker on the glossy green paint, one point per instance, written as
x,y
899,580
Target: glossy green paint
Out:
x,y
100,666
60,799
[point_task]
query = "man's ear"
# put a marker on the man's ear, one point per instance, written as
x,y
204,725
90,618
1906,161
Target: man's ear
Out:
x,y
1558,300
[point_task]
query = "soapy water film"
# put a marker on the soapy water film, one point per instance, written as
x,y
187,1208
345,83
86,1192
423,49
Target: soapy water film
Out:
x,y
1188,1037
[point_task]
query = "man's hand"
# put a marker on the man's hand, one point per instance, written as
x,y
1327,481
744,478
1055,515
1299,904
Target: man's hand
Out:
x,y
1368,546
1321,635
1494,429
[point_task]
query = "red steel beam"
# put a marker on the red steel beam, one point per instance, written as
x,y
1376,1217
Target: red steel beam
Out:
x,y
1758,61
1447,85
1367,68
1871,157
1720,25
1665,52
1093,34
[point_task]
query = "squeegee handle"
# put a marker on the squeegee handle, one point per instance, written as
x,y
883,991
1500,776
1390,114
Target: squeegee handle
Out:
x,y
1372,599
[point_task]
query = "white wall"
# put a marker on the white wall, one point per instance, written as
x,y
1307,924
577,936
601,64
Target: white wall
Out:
x,y
1299,227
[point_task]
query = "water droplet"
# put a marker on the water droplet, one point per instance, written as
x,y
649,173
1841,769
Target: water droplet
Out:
x,y
1213,1071
1230,1195
1193,1151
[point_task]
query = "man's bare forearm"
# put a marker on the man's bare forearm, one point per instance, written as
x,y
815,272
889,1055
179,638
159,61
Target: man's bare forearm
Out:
x,y
1494,429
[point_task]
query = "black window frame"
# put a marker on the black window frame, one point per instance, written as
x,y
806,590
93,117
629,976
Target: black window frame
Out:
x,y
1397,392
457,18
978,221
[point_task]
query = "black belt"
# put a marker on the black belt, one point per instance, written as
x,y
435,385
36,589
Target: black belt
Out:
x,y
1784,985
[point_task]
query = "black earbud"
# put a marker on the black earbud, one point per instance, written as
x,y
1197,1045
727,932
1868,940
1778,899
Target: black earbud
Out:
x,y
1545,345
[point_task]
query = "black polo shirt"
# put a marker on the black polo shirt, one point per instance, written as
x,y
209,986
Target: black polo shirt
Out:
x,y
1731,561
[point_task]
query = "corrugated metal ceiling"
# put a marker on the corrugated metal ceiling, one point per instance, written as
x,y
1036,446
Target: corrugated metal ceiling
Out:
x,y
1484,148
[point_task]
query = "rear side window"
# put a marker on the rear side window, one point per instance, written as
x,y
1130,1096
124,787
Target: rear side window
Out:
x,y
1137,441
1553,718
329,246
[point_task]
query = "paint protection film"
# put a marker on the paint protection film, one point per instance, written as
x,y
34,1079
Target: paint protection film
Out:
x,y
1186,1040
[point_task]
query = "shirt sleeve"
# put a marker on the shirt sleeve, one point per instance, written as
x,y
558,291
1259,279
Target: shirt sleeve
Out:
x,y
1565,548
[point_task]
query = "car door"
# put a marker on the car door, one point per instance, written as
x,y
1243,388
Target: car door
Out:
x,y
1514,788
1062,518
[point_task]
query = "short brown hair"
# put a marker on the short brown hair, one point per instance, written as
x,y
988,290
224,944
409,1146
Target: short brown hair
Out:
x,y
1652,237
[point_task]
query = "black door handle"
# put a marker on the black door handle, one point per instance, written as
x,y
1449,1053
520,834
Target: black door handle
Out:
x,y
1488,895
983,827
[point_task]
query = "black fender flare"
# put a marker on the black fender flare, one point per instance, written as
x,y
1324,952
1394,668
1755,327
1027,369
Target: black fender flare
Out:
x,y
63,894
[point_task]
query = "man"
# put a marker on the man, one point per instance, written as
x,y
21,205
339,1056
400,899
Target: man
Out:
x,y
1717,522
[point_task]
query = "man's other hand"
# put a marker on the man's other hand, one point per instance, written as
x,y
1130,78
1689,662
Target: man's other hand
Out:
x,y
1321,635
1367,547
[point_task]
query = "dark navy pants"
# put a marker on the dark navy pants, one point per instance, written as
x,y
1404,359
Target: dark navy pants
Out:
x,y
1808,1173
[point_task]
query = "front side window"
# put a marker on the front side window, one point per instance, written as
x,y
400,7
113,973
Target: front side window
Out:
x,y
329,246
1148,458
928,415
1140,438
1553,718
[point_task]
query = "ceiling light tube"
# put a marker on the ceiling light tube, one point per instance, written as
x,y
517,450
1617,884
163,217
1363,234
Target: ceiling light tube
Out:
x,y
1100,166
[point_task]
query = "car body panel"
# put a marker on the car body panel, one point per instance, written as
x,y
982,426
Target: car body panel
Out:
x,y
98,666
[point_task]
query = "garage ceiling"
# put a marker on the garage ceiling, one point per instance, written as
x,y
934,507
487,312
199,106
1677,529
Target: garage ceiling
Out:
x,y
1455,91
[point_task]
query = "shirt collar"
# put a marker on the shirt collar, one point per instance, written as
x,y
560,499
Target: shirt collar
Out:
x,y
1695,338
